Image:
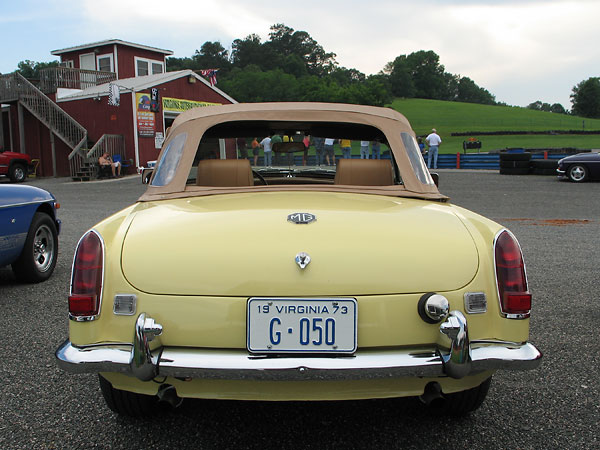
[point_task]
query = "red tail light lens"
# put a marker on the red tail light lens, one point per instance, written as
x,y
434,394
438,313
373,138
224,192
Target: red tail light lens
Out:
x,y
515,299
86,281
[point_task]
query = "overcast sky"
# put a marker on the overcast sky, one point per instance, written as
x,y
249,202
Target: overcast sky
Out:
x,y
519,50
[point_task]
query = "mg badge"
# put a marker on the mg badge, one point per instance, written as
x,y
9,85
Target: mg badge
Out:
x,y
302,259
301,218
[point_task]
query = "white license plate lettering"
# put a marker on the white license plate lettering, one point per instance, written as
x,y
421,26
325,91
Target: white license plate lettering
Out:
x,y
301,325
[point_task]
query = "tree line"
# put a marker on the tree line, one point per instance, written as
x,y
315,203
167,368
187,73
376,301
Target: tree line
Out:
x,y
291,66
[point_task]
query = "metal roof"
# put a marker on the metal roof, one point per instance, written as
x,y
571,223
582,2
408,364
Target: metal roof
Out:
x,y
137,84
110,42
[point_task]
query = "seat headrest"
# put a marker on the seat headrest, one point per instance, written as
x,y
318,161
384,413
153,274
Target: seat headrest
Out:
x,y
224,172
364,172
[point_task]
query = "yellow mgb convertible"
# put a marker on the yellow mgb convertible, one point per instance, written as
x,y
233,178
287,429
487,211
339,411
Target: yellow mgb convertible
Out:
x,y
293,276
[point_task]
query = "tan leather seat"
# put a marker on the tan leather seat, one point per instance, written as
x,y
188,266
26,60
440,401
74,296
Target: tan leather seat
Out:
x,y
364,172
224,172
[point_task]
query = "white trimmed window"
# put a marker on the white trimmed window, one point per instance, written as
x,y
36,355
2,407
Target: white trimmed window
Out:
x,y
148,67
105,62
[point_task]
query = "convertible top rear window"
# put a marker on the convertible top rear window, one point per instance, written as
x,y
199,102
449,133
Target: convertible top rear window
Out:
x,y
292,153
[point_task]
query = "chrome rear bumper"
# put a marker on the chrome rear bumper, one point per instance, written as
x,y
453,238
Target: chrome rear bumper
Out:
x,y
454,356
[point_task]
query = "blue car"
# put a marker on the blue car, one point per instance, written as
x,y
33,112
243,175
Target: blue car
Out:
x,y
29,231
580,167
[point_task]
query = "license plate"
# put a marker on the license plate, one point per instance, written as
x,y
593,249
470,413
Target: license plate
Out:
x,y
301,325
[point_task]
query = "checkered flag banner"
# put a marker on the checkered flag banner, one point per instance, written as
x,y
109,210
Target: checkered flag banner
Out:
x,y
211,74
114,96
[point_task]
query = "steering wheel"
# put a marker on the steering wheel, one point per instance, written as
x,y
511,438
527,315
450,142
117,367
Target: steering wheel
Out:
x,y
260,177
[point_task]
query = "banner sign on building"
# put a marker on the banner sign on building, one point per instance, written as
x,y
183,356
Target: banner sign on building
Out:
x,y
145,118
154,99
178,105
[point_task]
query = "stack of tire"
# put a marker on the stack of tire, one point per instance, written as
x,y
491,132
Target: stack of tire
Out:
x,y
520,163
515,163
544,166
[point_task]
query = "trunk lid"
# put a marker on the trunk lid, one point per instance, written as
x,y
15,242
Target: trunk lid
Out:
x,y
243,245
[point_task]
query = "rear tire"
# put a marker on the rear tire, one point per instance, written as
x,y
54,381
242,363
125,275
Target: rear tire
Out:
x,y
461,403
128,403
38,257
17,173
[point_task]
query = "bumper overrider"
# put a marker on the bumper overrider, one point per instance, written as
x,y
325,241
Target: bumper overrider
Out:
x,y
453,355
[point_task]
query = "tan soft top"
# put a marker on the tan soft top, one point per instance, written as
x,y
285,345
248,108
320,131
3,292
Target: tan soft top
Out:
x,y
197,121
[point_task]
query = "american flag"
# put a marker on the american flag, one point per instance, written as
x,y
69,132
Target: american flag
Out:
x,y
211,74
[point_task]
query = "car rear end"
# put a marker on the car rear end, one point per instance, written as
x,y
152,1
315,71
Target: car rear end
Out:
x,y
215,310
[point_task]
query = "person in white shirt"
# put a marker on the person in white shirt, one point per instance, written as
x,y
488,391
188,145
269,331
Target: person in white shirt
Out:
x,y
433,141
364,149
266,145
329,152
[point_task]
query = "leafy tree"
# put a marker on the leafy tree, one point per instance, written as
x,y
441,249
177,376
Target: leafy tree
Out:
x,y
212,55
469,92
31,69
174,63
285,41
558,109
427,74
248,51
346,77
400,76
586,98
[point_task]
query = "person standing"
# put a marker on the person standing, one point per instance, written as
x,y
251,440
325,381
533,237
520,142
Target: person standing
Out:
x,y
241,145
346,145
266,145
320,149
329,151
306,142
364,149
375,150
276,139
433,141
255,149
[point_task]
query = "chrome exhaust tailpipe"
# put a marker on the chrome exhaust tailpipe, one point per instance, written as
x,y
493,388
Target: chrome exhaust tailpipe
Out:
x,y
168,394
432,392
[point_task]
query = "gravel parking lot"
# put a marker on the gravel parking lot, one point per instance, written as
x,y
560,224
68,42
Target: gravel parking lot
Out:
x,y
555,406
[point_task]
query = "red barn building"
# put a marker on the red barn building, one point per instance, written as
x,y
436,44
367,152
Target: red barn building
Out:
x,y
113,96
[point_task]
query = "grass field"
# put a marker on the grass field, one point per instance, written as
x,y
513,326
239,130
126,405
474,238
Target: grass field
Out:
x,y
450,117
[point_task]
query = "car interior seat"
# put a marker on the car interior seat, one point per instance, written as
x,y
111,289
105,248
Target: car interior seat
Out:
x,y
364,172
224,172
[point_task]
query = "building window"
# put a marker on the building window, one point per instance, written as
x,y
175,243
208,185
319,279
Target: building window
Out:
x,y
105,63
157,68
142,68
148,67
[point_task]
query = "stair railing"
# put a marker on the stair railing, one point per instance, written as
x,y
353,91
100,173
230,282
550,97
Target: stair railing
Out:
x,y
46,111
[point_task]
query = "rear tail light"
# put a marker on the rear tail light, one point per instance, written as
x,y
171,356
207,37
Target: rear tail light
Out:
x,y
513,292
86,281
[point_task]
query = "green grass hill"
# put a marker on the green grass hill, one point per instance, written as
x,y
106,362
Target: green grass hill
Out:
x,y
452,117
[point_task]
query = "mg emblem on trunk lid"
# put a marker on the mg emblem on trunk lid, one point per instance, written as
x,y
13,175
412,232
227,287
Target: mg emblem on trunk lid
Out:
x,y
301,217
302,259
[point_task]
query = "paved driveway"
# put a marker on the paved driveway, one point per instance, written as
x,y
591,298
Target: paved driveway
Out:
x,y
555,406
